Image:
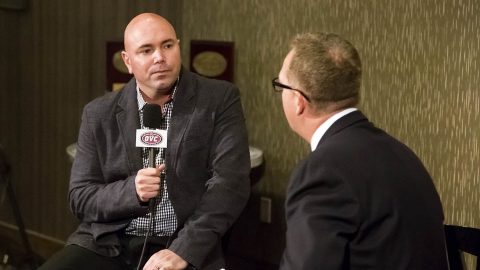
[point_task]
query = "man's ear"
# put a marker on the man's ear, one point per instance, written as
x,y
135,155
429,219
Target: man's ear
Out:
x,y
126,60
300,104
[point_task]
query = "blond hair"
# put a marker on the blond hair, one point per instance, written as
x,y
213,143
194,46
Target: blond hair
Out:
x,y
328,68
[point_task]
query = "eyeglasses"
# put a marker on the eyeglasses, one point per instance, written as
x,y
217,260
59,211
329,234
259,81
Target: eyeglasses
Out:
x,y
279,87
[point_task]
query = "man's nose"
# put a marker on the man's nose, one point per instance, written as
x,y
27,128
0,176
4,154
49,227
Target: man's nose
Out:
x,y
158,56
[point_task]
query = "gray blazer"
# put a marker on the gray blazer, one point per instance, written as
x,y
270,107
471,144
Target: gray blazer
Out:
x,y
207,163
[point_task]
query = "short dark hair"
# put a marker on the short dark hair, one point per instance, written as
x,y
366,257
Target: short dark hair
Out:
x,y
328,69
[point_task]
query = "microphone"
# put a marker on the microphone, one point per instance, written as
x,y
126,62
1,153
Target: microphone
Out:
x,y
152,119
151,137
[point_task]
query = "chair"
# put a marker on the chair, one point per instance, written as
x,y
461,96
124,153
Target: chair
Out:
x,y
461,239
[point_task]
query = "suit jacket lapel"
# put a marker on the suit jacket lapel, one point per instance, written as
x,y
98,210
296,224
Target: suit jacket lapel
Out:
x,y
128,121
184,105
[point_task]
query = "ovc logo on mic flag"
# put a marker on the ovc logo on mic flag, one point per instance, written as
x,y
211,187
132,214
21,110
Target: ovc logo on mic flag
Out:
x,y
155,138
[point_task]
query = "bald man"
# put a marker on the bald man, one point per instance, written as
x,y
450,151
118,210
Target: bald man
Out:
x,y
199,184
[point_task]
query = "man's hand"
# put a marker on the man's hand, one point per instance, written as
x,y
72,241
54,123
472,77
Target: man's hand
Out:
x,y
165,260
147,182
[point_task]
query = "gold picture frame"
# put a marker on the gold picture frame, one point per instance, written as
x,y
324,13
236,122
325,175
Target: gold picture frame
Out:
x,y
213,59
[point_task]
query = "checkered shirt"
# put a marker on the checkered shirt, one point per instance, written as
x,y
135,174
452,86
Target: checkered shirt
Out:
x,y
165,221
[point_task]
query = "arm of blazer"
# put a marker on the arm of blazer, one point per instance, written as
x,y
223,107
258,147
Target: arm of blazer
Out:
x,y
102,186
321,216
209,182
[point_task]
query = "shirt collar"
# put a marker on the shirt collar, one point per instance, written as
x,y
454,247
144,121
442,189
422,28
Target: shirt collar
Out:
x,y
318,134
140,101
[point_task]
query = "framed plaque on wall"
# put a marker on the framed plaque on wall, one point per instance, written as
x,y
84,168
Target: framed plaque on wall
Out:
x,y
213,59
117,72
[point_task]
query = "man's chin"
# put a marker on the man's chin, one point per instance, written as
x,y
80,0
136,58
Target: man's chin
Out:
x,y
166,84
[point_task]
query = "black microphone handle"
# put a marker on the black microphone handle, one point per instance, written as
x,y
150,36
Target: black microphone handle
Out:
x,y
151,164
151,157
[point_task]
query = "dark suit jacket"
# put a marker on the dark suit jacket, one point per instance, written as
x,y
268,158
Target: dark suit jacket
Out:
x,y
362,200
207,163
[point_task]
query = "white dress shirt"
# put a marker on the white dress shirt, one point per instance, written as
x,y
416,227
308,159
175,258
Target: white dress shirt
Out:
x,y
318,134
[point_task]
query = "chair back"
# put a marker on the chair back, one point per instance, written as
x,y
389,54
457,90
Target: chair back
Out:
x,y
461,239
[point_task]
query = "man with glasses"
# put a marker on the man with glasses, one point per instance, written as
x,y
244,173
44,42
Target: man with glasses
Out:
x,y
361,199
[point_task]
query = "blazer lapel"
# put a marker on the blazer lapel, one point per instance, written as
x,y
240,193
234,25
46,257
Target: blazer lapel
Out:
x,y
128,121
184,105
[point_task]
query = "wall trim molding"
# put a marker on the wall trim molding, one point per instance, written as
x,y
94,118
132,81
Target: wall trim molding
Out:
x,y
42,244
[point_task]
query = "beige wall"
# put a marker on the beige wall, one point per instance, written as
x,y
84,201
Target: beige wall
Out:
x,y
421,77
421,83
